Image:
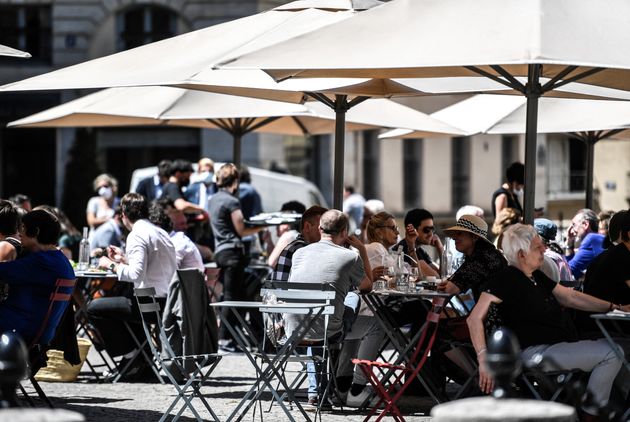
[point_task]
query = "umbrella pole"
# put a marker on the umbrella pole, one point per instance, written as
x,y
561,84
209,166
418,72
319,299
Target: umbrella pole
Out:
x,y
590,160
341,107
236,143
533,92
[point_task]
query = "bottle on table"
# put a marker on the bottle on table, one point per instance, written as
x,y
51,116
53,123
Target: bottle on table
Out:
x,y
84,252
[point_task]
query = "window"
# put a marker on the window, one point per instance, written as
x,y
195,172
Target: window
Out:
x,y
577,165
145,24
509,151
371,160
460,160
412,156
27,28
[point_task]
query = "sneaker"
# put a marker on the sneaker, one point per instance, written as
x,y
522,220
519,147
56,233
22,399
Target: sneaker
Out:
x,y
367,396
228,346
313,404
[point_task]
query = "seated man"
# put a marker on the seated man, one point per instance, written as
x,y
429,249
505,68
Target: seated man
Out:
x,y
309,233
329,260
165,216
583,232
32,279
608,276
531,305
149,261
286,233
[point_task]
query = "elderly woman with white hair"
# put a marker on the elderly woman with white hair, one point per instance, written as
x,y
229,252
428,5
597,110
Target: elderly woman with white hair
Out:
x,y
531,305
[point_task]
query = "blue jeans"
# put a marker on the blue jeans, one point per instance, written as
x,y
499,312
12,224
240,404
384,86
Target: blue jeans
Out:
x,y
315,369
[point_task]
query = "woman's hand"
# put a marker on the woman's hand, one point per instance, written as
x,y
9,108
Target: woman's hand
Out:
x,y
378,272
486,383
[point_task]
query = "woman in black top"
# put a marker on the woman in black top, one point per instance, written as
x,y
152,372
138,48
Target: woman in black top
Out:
x,y
507,195
529,303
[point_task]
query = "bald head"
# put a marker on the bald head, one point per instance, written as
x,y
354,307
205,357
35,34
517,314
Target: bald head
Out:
x,y
333,224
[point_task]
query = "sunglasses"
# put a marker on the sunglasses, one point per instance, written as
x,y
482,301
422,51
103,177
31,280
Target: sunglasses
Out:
x,y
393,228
428,229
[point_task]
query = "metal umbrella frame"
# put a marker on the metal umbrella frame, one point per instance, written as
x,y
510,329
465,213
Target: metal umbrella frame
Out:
x,y
501,40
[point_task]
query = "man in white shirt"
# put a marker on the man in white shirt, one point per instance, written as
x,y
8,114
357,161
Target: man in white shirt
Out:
x,y
149,261
164,215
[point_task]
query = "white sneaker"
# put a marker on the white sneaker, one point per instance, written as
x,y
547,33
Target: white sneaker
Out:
x,y
362,397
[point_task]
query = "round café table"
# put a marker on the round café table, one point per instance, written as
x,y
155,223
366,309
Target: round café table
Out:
x,y
489,409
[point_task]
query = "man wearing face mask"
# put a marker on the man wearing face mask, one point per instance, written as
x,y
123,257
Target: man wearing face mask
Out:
x,y
203,187
507,196
174,189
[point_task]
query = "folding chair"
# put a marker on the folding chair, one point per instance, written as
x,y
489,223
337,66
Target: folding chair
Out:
x,y
554,386
390,392
170,362
59,300
309,293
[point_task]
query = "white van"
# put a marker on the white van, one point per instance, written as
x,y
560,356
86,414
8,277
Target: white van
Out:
x,y
274,188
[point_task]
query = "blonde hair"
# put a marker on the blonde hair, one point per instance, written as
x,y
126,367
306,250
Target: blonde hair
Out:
x,y
505,218
377,221
105,177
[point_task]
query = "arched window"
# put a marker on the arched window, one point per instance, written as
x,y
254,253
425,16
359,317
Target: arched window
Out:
x,y
140,25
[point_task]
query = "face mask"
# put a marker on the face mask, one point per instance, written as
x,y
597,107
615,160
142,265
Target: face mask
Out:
x,y
207,177
105,191
518,192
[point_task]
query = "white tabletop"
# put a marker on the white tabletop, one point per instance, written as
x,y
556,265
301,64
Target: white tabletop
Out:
x,y
95,274
252,304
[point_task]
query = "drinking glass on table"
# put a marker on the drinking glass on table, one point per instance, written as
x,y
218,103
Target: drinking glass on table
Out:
x,y
414,276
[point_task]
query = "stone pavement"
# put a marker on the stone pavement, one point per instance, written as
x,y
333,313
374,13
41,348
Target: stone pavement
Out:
x,y
234,375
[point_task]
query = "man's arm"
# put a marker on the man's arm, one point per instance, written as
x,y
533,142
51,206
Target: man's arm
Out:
x,y
365,286
239,224
581,259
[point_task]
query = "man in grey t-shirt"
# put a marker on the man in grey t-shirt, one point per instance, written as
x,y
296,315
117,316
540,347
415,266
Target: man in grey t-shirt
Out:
x,y
330,261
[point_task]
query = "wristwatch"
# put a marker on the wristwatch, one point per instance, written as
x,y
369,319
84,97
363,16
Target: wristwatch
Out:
x,y
112,267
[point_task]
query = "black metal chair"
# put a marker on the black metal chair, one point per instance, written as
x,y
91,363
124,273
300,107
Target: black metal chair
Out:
x,y
176,366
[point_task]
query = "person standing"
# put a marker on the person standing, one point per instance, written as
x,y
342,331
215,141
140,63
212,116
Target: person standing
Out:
x,y
228,227
151,187
507,196
100,208
174,189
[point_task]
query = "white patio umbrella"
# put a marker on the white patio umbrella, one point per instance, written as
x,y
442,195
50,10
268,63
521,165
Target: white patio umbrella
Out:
x,y
587,120
497,39
12,52
144,106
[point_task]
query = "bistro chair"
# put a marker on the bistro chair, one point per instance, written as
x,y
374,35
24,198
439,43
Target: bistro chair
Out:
x,y
323,293
389,392
194,369
59,300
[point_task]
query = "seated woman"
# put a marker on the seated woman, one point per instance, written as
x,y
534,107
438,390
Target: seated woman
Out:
x,y
482,259
32,279
10,245
530,304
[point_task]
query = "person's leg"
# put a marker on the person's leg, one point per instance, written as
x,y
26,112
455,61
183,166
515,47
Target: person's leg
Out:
x,y
230,262
367,330
107,315
595,356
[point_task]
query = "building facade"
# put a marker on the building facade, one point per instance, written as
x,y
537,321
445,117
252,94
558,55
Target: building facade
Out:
x,y
436,173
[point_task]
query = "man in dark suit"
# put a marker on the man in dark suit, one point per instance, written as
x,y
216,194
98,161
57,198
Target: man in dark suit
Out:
x,y
151,187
